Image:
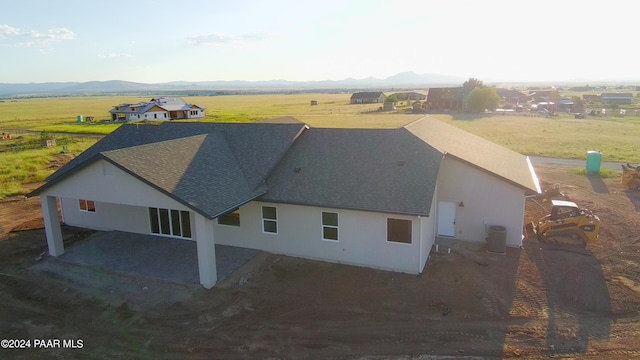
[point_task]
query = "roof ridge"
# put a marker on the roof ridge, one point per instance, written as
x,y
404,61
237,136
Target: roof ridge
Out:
x,y
157,143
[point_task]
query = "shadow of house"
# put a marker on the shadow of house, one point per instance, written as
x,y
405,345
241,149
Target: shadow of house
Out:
x,y
634,198
578,302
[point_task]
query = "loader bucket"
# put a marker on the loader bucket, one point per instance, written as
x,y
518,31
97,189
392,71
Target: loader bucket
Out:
x,y
530,231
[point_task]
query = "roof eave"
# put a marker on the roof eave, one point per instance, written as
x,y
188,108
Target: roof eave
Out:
x,y
176,198
329,206
528,190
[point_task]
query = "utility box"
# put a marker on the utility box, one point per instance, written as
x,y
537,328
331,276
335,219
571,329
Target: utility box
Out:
x,y
497,239
594,158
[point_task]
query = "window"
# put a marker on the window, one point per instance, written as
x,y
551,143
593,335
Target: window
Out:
x,y
155,116
231,218
87,205
170,222
329,226
399,231
269,219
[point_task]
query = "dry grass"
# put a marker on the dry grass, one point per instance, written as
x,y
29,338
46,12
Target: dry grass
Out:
x,y
24,161
561,136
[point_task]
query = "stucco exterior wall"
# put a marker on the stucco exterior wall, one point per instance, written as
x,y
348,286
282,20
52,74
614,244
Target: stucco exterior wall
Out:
x,y
487,201
108,216
121,200
159,115
427,234
199,114
362,236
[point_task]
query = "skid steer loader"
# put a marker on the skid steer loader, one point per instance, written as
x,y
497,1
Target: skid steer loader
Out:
x,y
567,224
631,177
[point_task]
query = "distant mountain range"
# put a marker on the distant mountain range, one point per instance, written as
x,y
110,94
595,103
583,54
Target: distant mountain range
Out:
x,y
400,80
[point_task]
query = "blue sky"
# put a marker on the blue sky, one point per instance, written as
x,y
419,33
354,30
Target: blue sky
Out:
x,y
190,40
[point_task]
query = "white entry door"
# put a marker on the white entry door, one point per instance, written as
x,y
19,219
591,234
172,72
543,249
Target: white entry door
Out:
x,y
446,218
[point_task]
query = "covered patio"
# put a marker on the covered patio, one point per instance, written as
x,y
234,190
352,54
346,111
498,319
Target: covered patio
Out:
x,y
159,257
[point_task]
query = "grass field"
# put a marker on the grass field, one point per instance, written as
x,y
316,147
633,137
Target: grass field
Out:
x,y
560,136
24,161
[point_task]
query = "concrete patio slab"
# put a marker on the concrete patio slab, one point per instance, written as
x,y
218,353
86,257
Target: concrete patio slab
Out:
x,y
154,256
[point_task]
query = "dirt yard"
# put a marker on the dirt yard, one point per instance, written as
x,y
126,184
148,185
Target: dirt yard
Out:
x,y
540,301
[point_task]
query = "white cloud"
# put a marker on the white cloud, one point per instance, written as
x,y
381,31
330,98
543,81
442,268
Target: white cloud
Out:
x,y
113,56
10,36
229,40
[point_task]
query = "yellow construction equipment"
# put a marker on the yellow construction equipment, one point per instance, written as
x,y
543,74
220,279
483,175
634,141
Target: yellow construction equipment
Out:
x,y
568,224
631,176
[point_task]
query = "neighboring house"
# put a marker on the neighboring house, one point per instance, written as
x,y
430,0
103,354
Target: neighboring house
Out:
x,y
590,98
551,95
567,105
510,96
410,95
369,197
445,98
162,108
617,98
368,97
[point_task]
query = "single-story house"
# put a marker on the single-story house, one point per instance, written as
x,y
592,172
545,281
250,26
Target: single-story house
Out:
x,y
617,98
369,197
368,97
511,96
449,98
591,98
162,108
544,95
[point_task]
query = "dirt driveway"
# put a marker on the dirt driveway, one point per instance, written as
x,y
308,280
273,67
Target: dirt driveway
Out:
x,y
537,302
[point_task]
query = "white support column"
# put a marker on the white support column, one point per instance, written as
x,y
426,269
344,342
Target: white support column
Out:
x,y
206,251
52,225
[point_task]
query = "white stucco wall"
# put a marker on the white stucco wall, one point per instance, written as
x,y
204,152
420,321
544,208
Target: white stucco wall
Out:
x,y
160,115
487,200
108,216
362,236
121,200
427,234
200,114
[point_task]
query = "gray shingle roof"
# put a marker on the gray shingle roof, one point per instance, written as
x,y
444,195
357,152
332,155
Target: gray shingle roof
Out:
x,y
476,151
215,167
386,170
367,95
200,171
180,158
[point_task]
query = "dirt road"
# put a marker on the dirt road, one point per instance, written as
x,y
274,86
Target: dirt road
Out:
x,y
537,302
